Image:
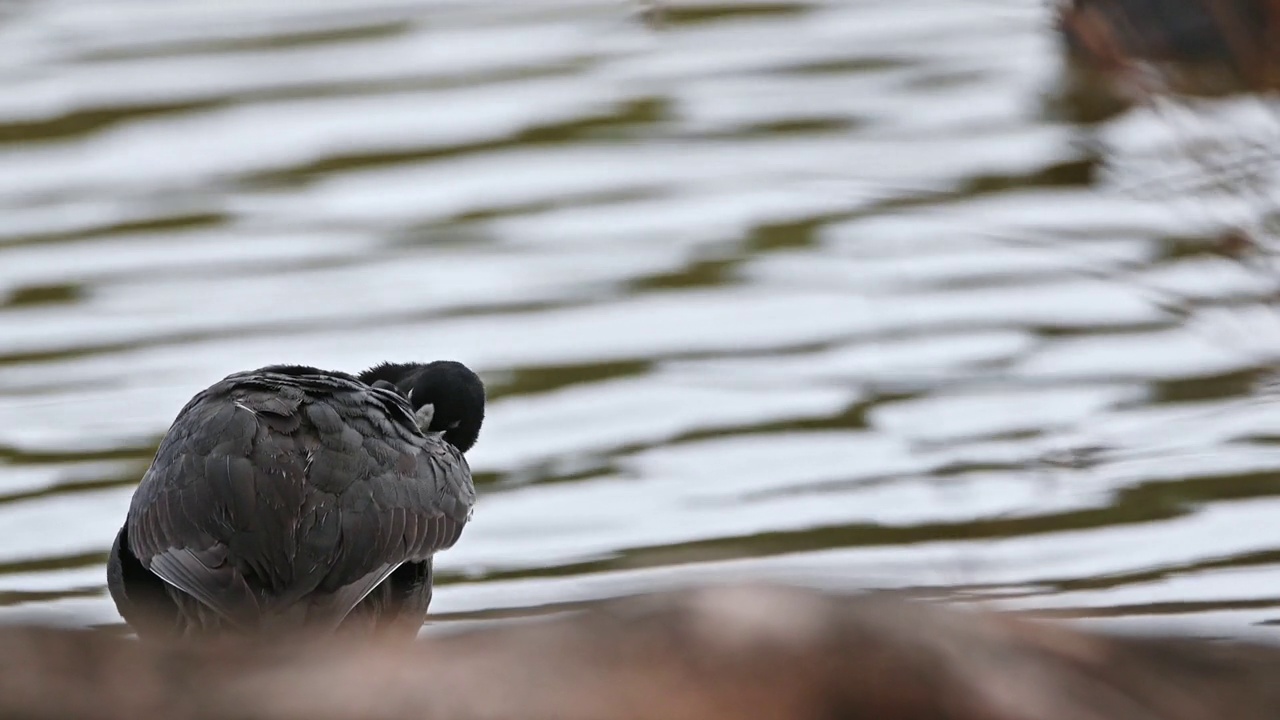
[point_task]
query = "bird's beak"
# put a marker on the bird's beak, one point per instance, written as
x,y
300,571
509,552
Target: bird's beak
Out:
x,y
424,415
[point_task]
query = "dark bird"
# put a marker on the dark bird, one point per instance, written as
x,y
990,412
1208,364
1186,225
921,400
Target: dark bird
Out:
x,y
1109,34
290,499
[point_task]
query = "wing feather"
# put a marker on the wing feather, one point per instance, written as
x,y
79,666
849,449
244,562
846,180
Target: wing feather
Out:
x,y
211,582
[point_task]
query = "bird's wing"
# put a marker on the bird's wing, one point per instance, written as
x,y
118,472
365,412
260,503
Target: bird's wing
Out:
x,y
200,517
398,604
275,494
415,507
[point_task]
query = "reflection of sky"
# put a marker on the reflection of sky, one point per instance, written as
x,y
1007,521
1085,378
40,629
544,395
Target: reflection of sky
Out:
x,y
787,272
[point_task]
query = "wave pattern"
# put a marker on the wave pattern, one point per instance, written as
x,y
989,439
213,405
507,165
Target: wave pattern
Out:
x,y
825,292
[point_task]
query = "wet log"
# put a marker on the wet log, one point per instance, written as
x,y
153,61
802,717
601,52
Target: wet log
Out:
x,y
707,654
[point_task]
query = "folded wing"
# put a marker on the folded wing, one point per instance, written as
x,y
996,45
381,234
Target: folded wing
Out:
x,y
278,500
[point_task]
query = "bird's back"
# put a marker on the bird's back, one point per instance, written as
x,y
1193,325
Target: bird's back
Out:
x,y
281,497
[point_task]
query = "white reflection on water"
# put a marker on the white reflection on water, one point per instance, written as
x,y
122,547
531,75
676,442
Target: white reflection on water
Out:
x,y
812,294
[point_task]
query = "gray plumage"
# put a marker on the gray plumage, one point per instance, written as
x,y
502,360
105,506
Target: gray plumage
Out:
x,y
290,498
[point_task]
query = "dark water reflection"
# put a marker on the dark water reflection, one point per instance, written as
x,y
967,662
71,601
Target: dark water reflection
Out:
x,y
824,292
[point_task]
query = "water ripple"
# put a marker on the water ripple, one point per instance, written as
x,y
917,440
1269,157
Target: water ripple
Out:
x,y
817,291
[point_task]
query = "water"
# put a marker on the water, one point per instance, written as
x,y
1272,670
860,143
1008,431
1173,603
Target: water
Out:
x,y
833,293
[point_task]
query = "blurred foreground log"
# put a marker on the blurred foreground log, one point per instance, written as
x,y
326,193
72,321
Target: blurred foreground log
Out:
x,y
734,652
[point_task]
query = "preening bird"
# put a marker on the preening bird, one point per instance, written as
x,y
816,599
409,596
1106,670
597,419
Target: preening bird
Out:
x,y
293,499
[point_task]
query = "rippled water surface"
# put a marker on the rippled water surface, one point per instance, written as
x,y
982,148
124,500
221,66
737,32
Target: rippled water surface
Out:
x,y
828,292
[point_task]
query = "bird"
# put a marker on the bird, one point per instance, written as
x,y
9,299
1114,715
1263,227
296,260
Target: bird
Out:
x,y
1108,33
290,499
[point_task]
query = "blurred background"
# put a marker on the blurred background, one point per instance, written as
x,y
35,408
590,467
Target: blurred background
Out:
x,y
851,293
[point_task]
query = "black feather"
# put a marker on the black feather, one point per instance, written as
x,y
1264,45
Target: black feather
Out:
x,y
286,498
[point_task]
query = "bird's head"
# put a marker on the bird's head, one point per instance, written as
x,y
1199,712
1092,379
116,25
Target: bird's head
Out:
x,y
446,397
